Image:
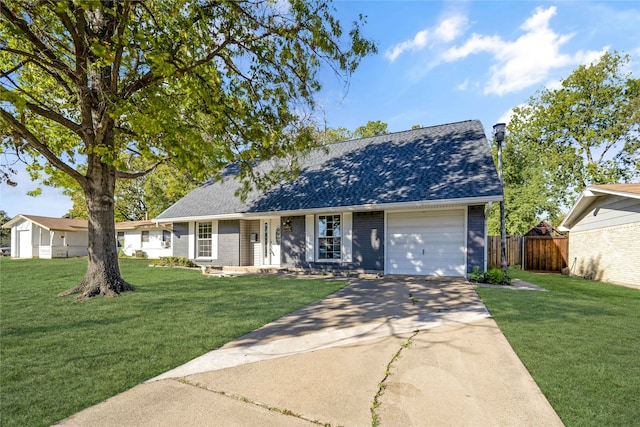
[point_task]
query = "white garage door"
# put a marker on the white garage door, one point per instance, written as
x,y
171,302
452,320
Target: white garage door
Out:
x,y
426,243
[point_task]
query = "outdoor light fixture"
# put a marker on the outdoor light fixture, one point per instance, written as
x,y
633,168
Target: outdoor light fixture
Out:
x,y
498,134
498,131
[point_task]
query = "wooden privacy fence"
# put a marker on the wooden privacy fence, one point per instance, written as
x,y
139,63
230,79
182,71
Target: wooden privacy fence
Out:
x,y
514,251
533,253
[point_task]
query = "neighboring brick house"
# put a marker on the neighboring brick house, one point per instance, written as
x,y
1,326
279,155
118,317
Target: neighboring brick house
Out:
x,y
604,234
412,202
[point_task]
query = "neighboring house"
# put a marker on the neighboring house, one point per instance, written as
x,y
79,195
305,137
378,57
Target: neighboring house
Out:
x,y
411,202
143,239
43,237
604,233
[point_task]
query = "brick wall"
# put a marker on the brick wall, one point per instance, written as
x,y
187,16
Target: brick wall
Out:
x,y
610,254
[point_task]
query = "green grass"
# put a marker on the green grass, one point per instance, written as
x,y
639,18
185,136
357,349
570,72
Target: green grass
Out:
x,y
581,343
59,356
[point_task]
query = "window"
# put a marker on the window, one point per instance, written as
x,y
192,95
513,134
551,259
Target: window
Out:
x,y
120,239
329,237
166,238
204,240
145,236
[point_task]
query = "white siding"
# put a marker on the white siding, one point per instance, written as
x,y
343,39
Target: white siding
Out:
x,y
76,242
609,211
152,249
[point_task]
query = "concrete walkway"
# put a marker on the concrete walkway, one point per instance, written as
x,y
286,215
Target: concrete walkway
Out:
x,y
396,351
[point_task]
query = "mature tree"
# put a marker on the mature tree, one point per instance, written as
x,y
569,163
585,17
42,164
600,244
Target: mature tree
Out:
x,y
371,129
528,197
584,132
87,86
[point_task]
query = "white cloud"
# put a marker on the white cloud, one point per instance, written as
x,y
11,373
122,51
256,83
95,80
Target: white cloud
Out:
x,y
419,41
463,85
524,62
446,31
450,28
591,56
506,116
553,84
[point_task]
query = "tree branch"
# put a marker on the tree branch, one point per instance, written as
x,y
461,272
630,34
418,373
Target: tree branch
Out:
x,y
23,26
131,175
115,69
51,115
41,148
44,65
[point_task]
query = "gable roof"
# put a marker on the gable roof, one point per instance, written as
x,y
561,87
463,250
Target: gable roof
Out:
x,y
66,224
434,164
55,224
543,229
591,194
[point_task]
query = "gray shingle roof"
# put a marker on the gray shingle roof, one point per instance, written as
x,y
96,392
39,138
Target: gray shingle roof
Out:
x,y
445,162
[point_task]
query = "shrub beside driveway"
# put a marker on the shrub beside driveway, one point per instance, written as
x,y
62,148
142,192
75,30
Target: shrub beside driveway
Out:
x,y
59,356
581,343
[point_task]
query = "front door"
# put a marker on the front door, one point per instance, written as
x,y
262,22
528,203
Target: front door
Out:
x,y
25,249
271,238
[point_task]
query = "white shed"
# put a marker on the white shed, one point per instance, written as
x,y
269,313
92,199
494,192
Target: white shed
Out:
x,y
43,237
604,234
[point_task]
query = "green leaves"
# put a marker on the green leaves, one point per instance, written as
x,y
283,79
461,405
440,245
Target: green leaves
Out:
x,y
200,84
585,132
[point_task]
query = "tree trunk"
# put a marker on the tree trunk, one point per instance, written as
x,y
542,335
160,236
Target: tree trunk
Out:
x,y
103,272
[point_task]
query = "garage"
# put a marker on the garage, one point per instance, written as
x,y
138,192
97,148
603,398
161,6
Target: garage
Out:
x,y
430,243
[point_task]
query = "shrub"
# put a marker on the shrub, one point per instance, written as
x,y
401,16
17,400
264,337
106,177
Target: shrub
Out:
x,y
174,261
495,276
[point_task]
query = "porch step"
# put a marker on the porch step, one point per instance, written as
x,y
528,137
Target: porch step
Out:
x,y
235,270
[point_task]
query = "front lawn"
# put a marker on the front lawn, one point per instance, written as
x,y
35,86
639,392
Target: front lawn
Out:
x,y
59,356
581,343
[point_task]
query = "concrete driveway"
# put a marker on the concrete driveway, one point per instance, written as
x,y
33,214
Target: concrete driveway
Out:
x,y
395,351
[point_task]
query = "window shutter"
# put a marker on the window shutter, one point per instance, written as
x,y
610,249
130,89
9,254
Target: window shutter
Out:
x,y
192,240
347,237
214,239
309,233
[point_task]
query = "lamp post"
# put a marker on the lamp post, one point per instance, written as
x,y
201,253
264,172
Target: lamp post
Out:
x,y
498,133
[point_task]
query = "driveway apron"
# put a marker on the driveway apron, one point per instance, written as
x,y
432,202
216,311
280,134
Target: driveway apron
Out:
x,y
393,351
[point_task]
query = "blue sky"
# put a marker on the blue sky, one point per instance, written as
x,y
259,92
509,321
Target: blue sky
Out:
x,y
442,62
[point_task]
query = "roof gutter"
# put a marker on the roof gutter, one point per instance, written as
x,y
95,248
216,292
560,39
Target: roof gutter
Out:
x,y
368,207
